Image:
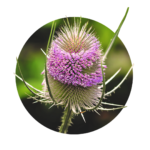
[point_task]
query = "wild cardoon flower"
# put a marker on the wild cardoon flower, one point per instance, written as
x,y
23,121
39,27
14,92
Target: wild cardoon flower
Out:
x,y
74,72
74,68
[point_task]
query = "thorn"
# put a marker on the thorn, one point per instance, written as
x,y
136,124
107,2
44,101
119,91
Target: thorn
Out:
x,y
133,64
97,112
51,106
83,117
83,112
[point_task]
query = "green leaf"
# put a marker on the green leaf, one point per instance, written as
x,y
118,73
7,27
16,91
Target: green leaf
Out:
x,y
115,36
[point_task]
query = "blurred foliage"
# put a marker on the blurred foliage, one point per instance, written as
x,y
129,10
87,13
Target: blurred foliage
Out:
x,y
31,58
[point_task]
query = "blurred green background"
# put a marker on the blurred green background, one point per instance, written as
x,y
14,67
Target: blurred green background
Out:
x,y
32,60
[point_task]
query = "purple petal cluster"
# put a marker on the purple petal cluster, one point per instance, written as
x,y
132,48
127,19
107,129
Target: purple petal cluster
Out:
x,y
68,67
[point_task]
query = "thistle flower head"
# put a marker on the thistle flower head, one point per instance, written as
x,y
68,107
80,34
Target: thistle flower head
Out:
x,y
74,67
74,72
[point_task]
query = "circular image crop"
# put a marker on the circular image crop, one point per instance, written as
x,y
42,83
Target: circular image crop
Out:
x,y
68,80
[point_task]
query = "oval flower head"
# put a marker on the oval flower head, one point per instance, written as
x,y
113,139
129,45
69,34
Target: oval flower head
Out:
x,y
74,68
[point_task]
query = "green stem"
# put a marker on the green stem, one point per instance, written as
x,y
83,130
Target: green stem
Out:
x,y
66,120
115,35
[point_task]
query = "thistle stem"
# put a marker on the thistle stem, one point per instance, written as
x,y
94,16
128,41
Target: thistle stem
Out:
x,y
66,120
120,82
115,35
110,79
28,84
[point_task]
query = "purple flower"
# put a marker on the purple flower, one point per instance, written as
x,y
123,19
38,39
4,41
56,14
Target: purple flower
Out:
x,y
74,67
74,72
